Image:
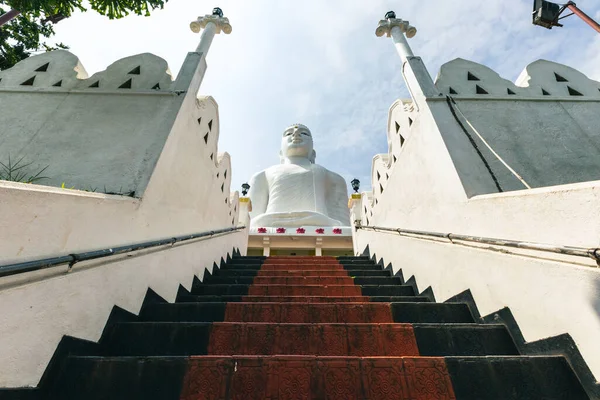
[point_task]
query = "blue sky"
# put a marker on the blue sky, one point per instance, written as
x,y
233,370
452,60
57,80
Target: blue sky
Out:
x,y
319,63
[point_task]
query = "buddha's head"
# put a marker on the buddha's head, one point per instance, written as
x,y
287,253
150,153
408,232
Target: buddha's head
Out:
x,y
297,142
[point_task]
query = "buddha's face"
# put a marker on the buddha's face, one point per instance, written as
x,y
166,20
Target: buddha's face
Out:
x,y
297,142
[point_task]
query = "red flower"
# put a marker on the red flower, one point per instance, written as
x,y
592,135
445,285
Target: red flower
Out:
x,y
320,231
300,230
280,230
337,231
262,230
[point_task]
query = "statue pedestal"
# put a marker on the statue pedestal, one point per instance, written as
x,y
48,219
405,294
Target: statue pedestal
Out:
x,y
306,240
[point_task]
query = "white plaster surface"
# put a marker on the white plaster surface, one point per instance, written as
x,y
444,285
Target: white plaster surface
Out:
x,y
187,191
439,183
66,128
547,298
35,316
546,139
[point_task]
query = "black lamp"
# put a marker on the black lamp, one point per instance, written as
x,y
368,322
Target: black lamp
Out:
x,y
390,15
245,188
355,183
218,12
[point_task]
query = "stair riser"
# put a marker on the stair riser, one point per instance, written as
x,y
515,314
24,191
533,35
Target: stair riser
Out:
x,y
315,290
337,379
183,339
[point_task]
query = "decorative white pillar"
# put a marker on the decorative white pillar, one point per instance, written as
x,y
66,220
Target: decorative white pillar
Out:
x,y
319,247
355,206
266,246
396,28
417,78
212,25
244,213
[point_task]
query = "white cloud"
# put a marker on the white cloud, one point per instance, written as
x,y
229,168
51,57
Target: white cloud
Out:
x,y
319,62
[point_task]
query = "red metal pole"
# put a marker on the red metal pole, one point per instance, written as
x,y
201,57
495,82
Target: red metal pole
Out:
x,y
571,6
7,17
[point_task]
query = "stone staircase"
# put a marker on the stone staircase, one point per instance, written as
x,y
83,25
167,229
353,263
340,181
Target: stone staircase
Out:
x,y
301,328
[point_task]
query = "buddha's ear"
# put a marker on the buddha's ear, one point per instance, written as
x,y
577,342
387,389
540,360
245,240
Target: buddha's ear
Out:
x,y
313,157
281,159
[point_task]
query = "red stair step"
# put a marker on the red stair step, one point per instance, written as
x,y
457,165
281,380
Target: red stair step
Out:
x,y
304,290
302,313
333,378
300,267
305,299
312,339
303,280
303,272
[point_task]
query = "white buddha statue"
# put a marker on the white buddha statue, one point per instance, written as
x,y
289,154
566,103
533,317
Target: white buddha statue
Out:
x,y
298,192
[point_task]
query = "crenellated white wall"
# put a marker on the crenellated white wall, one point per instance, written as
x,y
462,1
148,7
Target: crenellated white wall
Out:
x,y
187,191
439,183
101,133
544,127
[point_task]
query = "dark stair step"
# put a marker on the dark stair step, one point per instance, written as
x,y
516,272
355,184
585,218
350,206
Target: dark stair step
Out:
x,y
21,394
184,312
400,299
437,340
370,280
228,280
432,313
514,378
367,312
181,339
249,267
388,290
304,290
190,298
219,290
156,339
364,267
245,261
234,272
356,261
120,378
368,272
249,257
341,258
171,378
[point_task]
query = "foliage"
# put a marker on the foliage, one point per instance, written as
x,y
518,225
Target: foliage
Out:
x,y
23,36
19,172
110,8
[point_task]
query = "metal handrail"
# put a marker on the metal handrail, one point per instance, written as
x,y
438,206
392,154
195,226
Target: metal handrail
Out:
x,y
593,253
72,259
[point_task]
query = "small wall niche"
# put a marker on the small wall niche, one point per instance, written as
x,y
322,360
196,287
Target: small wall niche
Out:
x,y
43,68
472,77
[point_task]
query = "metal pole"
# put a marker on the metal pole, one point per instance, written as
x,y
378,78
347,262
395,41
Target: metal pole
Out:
x,y
586,18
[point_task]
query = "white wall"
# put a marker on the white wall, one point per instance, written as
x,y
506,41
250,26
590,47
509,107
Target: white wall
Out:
x,y
103,138
35,316
544,126
434,184
187,191
546,297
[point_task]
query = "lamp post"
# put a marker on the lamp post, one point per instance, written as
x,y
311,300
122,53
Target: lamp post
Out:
x,y
212,25
355,185
245,207
547,14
